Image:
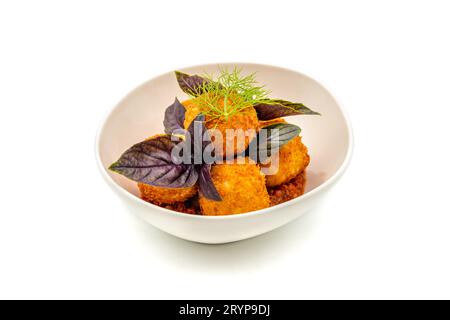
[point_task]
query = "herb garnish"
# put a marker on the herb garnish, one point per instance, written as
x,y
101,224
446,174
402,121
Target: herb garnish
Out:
x,y
231,92
152,162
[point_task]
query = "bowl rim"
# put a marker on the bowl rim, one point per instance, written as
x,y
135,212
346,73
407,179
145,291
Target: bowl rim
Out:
x,y
321,188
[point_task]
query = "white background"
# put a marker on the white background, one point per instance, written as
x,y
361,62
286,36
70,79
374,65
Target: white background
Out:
x,y
384,231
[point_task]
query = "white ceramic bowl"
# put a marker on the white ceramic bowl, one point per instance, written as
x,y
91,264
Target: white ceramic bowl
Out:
x,y
140,115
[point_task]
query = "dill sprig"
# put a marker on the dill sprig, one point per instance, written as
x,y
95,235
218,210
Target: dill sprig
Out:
x,y
228,94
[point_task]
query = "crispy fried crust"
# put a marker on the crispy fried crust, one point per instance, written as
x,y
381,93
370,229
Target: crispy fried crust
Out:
x,y
159,195
242,188
245,120
266,123
192,110
292,159
287,191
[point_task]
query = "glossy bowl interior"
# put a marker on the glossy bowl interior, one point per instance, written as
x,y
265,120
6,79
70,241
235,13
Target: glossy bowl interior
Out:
x,y
140,115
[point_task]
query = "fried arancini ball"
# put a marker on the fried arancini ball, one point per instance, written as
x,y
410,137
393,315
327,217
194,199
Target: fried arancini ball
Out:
x,y
241,186
245,123
292,159
160,195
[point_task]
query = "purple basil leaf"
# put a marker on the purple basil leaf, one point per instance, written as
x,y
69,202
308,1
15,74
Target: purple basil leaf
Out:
x,y
206,185
194,137
199,137
150,162
270,139
200,119
174,117
272,109
192,85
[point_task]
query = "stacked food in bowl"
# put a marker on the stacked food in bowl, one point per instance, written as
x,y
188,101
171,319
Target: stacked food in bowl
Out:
x,y
225,150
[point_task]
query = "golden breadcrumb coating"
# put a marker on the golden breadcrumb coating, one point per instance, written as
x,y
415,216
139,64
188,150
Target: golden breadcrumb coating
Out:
x,y
266,123
245,121
161,195
292,159
241,186
192,110
287,191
